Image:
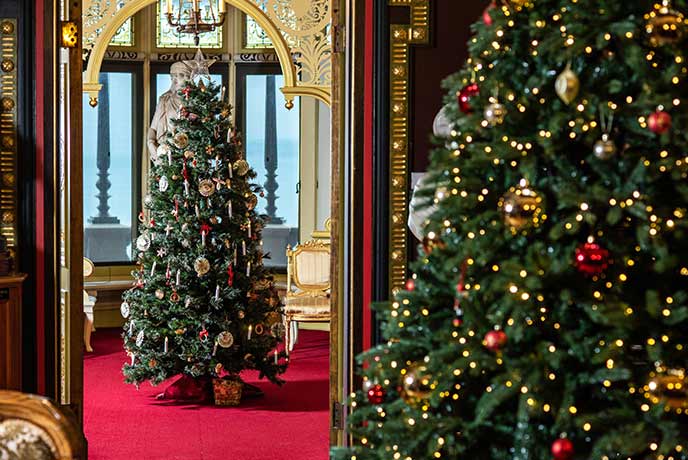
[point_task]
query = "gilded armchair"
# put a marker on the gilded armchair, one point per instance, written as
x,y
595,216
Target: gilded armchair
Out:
x,y
32,427
308,287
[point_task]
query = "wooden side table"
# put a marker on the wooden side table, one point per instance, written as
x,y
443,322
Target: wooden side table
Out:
x,y
10,331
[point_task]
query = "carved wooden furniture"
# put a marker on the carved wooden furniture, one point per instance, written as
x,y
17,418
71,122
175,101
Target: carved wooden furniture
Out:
x,y
308,287
10,331
32,427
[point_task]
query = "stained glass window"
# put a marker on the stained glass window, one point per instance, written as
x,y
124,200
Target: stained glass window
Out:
x,y
124,35
255,36
168,37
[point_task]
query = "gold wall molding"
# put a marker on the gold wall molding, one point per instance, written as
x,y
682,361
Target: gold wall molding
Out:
x,y
298,29
402,37
8,130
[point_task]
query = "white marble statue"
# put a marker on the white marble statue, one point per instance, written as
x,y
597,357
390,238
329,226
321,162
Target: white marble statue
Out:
x,y
418,217
168,108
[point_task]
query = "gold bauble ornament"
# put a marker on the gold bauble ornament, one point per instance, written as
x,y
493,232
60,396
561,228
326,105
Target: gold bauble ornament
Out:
x,y
225,339
668,387
517,3
206,187
181,140
521,207
567,85
605,148
251,201
241,167
202,266
416,384
273,317
665,26
495,113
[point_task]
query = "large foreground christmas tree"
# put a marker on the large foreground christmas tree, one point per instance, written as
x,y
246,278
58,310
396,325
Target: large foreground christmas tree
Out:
x,y
548,315
204,305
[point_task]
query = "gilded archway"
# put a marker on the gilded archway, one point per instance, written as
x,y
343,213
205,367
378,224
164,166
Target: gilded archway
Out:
x,y
299,31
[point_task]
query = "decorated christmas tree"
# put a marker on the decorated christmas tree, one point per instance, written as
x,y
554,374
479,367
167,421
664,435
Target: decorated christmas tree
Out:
x,y
203,304
547,315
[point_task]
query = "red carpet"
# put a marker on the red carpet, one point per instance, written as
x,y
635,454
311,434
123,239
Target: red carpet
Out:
x,y
289,422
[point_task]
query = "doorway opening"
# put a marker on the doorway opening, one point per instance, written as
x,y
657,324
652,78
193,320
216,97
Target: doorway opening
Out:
x,y
295,171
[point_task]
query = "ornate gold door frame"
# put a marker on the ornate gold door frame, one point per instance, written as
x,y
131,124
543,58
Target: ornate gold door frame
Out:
x,y
402,37
8,131
302,35
298,29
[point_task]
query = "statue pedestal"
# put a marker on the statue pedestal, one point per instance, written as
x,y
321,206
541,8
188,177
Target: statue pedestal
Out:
x,y
107,242
275,241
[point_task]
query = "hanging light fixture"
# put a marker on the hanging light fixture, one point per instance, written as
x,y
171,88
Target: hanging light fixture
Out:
x,y
192,21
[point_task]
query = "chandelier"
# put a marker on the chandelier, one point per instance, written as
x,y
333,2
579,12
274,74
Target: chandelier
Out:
x,y
194,21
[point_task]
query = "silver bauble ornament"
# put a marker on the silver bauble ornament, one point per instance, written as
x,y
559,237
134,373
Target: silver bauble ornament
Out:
x,y
124,309
139,338
278,330
143,242
163,184
148,201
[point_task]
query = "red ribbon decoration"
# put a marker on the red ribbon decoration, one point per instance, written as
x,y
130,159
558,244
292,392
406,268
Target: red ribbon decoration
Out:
x,y
186,91
205,229
185,173
230,274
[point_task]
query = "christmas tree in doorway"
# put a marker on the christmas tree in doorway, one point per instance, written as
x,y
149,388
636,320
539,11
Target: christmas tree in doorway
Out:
x,y
203,305
547,315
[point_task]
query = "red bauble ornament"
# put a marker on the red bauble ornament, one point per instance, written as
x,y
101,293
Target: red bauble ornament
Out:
x,y
410,284
659,122
562,449
487,19
495,340
591,259
376,394
465,95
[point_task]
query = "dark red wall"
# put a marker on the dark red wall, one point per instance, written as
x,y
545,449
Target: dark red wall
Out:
x,y
445,55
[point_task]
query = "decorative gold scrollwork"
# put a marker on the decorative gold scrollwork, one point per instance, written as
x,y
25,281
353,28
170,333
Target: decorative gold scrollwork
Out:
x,y
70,34
8,133
299,30
401,39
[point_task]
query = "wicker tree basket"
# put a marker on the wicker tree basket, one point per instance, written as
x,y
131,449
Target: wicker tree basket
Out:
x,y
227,391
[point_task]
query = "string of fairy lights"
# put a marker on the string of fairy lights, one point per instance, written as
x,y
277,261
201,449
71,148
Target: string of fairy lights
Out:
x,y
523,209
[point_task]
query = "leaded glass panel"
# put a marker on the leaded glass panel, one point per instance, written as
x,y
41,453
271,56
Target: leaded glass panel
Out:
x,y
168,37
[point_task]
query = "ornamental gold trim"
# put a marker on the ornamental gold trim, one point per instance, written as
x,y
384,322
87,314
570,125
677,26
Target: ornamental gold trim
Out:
x,y
298,29
69,37
8,131
402,37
